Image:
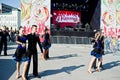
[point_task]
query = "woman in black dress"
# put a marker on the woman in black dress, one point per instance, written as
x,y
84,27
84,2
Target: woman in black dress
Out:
x,y
20,53
46,44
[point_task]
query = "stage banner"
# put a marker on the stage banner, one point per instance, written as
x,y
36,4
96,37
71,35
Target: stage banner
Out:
x,y
65,18
35,12
110,17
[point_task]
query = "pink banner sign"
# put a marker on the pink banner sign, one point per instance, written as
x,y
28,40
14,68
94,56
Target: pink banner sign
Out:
x,y
66,18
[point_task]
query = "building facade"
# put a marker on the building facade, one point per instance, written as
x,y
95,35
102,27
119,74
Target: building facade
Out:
x,y
9,16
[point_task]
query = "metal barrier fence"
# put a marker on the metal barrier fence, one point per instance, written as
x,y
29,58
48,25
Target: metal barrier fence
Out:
x,y
70,40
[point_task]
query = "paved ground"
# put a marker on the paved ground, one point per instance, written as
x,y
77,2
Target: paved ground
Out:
x,y
67,62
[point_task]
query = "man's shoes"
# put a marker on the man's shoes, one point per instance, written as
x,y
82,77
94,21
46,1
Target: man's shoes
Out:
x,y
47,57
5,54
94,67
38,76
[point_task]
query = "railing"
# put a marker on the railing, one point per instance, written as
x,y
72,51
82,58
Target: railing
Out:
x,y
70,40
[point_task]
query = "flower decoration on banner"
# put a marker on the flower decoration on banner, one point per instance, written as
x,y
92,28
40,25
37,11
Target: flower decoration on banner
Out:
x,y
108,18
108,2
25,9
41,14
35,12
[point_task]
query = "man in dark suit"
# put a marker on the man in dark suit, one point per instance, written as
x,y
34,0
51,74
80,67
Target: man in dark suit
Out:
x,y
33,39
3,35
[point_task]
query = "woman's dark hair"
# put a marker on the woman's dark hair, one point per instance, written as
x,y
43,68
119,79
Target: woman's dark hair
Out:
x,y
20,27
46,29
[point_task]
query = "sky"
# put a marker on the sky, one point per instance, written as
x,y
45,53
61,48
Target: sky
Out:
x,y
14,3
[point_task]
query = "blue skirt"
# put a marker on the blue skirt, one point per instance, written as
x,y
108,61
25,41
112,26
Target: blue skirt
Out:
x,y
46,47
22,59
20,55
97,55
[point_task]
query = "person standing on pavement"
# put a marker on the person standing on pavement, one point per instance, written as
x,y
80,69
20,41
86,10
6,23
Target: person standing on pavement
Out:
x,y
46,44
33,39
20,54
4,34
102,47
96,53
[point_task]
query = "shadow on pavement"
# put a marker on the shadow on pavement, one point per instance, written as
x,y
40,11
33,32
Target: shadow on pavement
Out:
x,y
63,56
67,70
7,68
111,65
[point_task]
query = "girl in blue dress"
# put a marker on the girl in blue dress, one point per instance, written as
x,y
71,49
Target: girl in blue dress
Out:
x,y
96,53
20,54
46,44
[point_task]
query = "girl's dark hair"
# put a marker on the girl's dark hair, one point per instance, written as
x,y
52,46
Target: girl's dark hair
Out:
x,y
20,27
46,29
